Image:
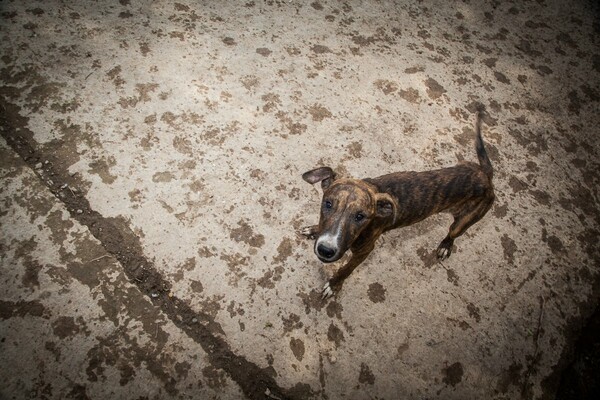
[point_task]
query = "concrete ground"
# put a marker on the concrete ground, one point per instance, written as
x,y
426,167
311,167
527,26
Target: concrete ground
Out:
x,y
150,160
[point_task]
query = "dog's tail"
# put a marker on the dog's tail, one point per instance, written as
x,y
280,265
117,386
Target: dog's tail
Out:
x,y
484,161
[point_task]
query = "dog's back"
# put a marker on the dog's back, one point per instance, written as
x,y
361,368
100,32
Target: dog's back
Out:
x,y
421,194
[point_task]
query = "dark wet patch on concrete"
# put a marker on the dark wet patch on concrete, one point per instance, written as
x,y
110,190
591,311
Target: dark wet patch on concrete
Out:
x,y
235,263
517,184
23,252
263,51
233,310
40,95
474,312
229,41
35,205
292,322
118,349
311,301
453,374
540,196
427,256
244,233
464,325
165,176
182,369
535,142
387,87
411,95
376,292
89,273
284,251
366,375
297,347
510,377
555,244
510,248
21,309
334,309
64,327
215,378
269,278
452,276
30,278
319,113
500,77
102,168
355,149
320,49
335,335
434,89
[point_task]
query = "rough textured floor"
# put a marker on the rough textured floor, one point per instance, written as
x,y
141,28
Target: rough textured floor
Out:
x,y
150,160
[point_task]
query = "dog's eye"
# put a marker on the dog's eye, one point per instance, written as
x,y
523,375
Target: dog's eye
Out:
x,y
359,217
327,204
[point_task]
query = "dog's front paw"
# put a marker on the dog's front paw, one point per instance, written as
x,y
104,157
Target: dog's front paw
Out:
x,y
327,292
309,232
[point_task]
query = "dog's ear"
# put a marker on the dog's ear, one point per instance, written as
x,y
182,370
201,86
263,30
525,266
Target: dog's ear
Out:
x,y
386,206
325,175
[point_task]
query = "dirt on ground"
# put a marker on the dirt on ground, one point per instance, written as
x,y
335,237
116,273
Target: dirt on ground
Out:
x,y
151,156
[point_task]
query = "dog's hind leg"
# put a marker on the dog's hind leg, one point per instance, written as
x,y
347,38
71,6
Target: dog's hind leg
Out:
x,y
462,221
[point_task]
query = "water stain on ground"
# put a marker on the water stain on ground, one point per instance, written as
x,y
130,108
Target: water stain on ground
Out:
x,y
376,293
297,347
244,233
453,374
434,89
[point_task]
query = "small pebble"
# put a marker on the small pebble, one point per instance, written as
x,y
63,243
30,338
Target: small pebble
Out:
x,y
79,211
154,295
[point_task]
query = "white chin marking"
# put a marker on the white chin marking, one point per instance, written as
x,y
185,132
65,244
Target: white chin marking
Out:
x,y
328,240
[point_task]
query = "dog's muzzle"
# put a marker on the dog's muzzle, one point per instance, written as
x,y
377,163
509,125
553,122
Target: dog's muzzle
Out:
x,y
327,248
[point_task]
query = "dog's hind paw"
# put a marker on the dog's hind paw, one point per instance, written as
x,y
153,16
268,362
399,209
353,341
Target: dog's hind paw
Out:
x,y
445,249
309,232
443,253
327,292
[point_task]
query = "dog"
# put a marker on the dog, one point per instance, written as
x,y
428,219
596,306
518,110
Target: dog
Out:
x,y
355,212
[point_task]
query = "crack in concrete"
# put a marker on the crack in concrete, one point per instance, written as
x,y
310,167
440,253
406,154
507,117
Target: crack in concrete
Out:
x,y
122,243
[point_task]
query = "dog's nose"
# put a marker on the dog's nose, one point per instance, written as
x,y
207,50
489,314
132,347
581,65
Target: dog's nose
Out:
x,y
325,251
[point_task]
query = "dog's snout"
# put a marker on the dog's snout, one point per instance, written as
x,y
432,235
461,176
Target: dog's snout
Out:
x,y
325,252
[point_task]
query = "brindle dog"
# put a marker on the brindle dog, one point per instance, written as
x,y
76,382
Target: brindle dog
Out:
x,y
355,212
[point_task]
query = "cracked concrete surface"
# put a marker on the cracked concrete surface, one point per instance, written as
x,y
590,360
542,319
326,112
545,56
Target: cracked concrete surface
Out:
x,y
151,194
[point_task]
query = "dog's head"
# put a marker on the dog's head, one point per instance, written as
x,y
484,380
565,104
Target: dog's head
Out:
x,y
349,206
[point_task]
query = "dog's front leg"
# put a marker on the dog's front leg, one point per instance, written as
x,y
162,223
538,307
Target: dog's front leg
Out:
x,y
335,283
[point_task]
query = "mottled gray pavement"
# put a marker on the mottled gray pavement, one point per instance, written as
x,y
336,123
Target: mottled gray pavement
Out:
x,y
150,162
